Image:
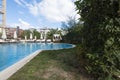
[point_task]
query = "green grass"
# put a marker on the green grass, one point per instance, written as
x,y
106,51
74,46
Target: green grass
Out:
x,y
51,65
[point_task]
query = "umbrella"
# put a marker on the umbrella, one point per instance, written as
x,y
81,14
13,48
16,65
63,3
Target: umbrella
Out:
x,y
4,36
25,37
41,37
15,35
35,37
31,37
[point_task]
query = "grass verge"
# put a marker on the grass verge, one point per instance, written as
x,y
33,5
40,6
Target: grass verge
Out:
x,y
51,65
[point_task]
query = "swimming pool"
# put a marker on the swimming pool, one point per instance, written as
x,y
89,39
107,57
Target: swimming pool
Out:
x,y
13,52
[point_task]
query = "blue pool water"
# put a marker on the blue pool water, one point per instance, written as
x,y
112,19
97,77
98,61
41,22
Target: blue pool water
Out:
x,y
13,52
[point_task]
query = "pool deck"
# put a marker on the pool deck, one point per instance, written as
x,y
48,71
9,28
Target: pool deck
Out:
x,y
31,41
5,74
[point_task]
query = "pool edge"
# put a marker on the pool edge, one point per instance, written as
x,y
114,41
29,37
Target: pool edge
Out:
x,y
5,74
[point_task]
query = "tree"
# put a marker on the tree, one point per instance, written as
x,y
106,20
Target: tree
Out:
x,y
36,33
73,31
101,35
52,32
25,33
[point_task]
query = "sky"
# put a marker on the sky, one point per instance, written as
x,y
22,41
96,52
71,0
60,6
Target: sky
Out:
x,y
39,13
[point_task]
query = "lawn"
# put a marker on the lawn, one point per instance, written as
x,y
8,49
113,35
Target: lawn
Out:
x,y
51,65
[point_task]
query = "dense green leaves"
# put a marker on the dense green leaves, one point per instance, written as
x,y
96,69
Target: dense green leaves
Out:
x,y
52,32
101,36
27,33
37,34
73,31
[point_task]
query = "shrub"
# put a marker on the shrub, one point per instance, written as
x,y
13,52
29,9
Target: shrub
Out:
x,y
101,37
101,66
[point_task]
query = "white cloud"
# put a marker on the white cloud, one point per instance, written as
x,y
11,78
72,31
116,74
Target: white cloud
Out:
x,y
23,22
18,2
24,25
55,10
33,8
23,1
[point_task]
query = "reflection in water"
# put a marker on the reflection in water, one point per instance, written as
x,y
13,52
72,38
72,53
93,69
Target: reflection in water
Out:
x,y
15,50
30,47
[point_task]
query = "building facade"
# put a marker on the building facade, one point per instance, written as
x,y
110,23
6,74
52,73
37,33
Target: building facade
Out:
x,y
10,31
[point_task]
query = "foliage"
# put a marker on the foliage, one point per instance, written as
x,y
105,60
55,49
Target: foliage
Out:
x,y
53,31
73,31
0,35
101,36
27,33
36,33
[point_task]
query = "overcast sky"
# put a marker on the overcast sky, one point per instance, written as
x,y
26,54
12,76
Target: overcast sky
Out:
x,y
39,13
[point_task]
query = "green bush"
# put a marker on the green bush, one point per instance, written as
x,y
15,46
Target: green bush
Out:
x,y
73,31
100,66
101,37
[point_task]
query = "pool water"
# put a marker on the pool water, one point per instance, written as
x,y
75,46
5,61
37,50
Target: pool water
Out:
x,y
13,52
